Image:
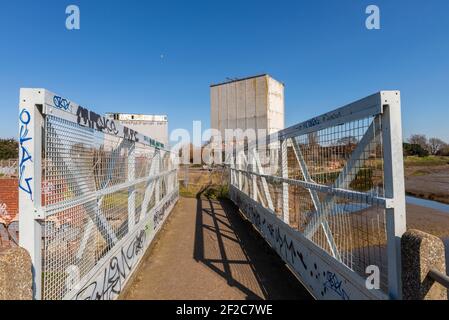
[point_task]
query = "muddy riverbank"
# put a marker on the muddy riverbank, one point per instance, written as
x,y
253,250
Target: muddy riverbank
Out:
x,y
429,182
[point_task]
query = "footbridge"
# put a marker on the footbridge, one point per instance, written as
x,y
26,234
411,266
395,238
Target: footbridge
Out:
x,y
315,211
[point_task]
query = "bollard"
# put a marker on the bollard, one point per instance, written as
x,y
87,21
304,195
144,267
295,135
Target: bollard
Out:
x,y
422,252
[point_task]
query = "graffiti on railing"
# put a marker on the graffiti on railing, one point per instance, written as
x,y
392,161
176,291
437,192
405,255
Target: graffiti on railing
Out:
x,y
93,120
24,155
308,267
335,284
61,103
110,285
159,215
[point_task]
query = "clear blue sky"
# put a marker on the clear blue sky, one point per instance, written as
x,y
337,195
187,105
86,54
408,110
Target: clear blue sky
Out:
x,y
321,50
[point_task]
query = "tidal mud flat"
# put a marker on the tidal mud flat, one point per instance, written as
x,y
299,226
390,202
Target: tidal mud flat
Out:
x,y
428,220
428,182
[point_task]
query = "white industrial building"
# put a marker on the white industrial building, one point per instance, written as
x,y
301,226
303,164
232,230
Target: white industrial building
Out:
x,y
153,126
251,103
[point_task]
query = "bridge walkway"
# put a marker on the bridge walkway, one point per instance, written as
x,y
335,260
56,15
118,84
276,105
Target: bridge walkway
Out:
x,y
207,251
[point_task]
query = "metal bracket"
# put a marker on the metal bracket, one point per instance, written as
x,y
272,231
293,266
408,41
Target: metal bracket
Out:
x,y
39,214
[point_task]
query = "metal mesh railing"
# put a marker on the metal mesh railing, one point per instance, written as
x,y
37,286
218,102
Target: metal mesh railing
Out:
x,y
349,157
327,183
9,168
97,186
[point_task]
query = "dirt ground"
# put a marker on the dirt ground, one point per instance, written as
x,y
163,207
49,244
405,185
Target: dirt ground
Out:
x,y
207,251
428,220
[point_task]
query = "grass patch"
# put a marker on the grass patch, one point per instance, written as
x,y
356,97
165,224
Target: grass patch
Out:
x,y
414,161
363,180
217,192
420,173
212,192
188,192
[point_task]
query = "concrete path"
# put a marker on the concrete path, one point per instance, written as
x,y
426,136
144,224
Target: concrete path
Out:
x,y
207,251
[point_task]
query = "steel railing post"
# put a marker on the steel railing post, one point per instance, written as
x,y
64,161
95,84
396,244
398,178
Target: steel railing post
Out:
x,y
132,189
254,177
284,173
394,187
31,123
157,182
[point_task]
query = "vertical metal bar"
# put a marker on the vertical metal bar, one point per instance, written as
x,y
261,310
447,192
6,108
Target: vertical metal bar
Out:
x,y
284,169
30,175
149,188
157,182
132,189
254,177
394,187
232,166
240,174
259,169
316,201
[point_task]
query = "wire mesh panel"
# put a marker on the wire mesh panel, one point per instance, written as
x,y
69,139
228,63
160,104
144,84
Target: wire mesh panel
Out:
x,y
330,179
107,191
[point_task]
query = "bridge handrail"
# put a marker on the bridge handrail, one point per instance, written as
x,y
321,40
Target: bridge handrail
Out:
x,y
439,277
376,122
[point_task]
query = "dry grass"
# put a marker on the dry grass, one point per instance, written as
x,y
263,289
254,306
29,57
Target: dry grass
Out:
x,y
194,181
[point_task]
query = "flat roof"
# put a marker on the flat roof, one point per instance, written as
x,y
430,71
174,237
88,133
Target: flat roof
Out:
x,y
137,116
243,79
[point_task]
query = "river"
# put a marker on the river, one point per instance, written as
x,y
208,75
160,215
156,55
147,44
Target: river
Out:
x,y
428,204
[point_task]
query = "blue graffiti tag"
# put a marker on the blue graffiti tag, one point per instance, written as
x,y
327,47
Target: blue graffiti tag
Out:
x,y
335,284
25,156
61,103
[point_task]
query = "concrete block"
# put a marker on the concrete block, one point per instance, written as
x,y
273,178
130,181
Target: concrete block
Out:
x,y
15,274
421,252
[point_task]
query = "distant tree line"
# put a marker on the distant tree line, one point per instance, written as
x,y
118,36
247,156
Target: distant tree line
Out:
x,y
9,149
419,145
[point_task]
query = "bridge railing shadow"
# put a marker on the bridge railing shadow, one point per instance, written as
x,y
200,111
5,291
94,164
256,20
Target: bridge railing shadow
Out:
x,y
239,254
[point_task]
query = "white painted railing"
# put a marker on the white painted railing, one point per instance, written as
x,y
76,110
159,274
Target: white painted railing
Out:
x,y
93,194
328,195
8,168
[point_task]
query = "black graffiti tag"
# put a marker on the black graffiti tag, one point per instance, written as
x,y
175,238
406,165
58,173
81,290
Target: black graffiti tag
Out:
x,y
115,273
95,121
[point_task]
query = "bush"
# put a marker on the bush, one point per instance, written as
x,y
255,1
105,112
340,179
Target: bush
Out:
x,y
216,193
415,150
9,149
444,151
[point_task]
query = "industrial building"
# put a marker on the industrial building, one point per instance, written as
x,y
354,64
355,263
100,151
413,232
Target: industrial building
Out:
x,y
153,126
251,103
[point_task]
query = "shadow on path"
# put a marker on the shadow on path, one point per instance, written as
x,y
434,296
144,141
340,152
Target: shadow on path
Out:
x,y
228,245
